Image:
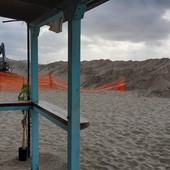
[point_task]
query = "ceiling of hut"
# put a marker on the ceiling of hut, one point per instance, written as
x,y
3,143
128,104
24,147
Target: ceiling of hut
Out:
x,y
29,10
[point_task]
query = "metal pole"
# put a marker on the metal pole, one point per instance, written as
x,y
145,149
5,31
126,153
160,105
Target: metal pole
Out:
x,y
28,82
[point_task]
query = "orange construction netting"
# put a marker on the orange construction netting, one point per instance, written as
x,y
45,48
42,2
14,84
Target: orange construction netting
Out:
x,y
116,85
14,82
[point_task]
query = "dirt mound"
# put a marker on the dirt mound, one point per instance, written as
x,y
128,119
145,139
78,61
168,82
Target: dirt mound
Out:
x,y
152,75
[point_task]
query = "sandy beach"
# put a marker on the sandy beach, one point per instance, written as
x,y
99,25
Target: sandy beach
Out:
x,y
127,131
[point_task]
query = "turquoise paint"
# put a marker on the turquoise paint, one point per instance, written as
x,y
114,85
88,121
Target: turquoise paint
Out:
x,y
35,140
74,32
34,63
58,123
15,108
34,97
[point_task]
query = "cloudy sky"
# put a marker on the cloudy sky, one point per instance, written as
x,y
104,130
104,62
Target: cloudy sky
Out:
x,y
116,30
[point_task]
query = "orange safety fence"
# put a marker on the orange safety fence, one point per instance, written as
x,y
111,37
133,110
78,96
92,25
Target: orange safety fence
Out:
x,y
116,85
11,82
49,81
14,82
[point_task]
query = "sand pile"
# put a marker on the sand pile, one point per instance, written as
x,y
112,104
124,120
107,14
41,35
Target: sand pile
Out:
x,y
150,76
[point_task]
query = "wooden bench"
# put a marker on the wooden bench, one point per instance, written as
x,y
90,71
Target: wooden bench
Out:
x,y
52,112
16,105
58,113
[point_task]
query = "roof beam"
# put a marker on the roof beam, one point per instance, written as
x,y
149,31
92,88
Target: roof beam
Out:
x,y
47,18
95,3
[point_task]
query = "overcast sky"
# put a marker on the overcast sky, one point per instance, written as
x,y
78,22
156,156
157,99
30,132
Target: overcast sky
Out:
x,y
116,30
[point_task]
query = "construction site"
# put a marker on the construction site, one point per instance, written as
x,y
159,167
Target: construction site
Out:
x,y
11,81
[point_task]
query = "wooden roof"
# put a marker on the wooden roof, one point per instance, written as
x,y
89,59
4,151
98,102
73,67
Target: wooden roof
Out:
x,y
29,10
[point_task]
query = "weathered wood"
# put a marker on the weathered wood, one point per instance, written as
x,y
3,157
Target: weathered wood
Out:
x,y
58,113
16,103
52,110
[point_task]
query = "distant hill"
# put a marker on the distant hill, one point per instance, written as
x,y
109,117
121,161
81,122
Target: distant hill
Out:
x,y
152,76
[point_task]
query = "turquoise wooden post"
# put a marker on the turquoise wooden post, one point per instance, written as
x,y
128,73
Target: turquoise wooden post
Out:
x,y
74,29
34,97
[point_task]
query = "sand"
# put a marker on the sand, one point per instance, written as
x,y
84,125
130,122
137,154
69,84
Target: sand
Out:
x,y
127,132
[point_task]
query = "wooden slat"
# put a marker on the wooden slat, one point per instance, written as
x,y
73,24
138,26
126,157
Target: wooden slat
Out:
x,y
95,3
52,110
16,103
58,113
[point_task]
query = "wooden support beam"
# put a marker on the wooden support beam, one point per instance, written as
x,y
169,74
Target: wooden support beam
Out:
x,y
57,114
74,32
34,97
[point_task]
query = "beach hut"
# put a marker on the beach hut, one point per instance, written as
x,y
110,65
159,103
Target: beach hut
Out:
x,y
53,13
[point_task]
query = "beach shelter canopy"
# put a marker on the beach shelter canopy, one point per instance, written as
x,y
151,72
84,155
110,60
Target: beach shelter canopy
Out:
x,y
29,10
38,13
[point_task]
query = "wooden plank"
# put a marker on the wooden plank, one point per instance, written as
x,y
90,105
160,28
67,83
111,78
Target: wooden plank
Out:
x,y
51,119
16,103
58,113
95,3
52,110
34,96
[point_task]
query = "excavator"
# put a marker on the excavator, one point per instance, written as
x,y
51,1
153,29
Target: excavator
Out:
x,y
4,66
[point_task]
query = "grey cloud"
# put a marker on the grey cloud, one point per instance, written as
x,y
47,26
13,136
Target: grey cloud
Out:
x,y
13,35
116,20
52,44
53,40
128,20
